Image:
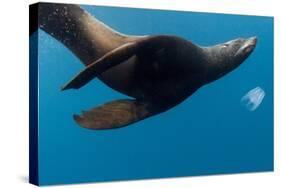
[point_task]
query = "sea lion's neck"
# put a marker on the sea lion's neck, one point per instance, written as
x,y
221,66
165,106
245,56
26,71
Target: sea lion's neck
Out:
x,y
216,66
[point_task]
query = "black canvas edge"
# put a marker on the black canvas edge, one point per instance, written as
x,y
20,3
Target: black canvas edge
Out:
x,y
33,95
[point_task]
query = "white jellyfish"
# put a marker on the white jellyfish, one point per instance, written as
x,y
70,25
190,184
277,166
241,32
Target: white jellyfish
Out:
x,y
253,98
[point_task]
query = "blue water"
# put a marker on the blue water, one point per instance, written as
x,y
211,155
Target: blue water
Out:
x,y
209,133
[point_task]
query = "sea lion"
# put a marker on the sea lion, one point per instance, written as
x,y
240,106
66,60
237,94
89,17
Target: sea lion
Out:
x,y
158,72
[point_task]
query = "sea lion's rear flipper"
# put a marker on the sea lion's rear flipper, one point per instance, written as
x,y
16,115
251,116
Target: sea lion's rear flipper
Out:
x,y
115,114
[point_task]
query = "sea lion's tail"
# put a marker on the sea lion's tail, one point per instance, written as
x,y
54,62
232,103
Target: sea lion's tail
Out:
x,y
84,35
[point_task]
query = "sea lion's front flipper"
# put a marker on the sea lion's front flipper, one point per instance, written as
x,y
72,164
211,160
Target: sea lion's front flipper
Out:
x,y
110,59
115,114
148,45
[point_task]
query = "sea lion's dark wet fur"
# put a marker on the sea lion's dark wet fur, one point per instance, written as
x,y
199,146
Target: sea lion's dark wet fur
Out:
x,y
158,71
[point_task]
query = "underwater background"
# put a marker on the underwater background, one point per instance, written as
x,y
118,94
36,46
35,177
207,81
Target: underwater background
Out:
x,y
212,132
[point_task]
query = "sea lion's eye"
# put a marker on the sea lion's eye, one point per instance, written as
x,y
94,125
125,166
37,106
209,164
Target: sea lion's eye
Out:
x,y
225,45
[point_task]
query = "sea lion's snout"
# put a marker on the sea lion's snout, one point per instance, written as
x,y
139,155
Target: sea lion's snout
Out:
x,y
247,47
250,44
253,41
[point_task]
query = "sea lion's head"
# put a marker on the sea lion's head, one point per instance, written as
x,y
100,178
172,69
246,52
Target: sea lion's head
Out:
x,y
225,57
237,50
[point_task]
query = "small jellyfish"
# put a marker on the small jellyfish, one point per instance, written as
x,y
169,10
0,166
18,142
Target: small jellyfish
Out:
x,y
253,98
